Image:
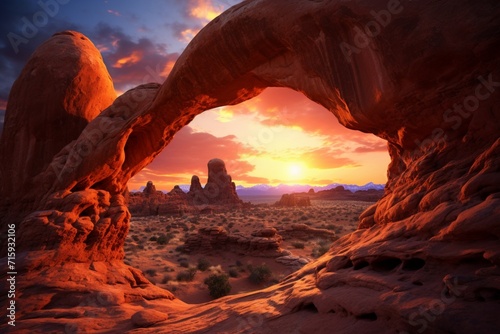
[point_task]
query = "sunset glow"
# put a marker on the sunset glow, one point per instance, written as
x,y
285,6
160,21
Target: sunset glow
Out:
x,y
277,137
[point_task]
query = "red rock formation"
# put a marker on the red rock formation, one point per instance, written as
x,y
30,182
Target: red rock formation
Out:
x,y
291,200
64,85
421,74
219,190
304,232
209,239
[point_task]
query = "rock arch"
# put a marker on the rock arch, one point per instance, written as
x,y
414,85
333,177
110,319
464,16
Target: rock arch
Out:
x,y
437,223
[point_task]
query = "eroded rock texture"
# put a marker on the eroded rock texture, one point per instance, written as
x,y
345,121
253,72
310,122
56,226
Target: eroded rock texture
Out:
x,y
220,188
423,75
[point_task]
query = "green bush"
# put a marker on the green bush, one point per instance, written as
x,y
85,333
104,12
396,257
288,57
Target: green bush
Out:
x,y
260,274
218,285
186,275
151,272
233,272
203,264
164,239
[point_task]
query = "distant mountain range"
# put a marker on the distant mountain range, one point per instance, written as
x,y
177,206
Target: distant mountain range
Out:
x,y
267,190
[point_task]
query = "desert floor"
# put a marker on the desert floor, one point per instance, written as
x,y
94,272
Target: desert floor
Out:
x,y
152,245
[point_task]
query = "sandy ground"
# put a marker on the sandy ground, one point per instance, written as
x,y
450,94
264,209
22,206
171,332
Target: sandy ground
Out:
x,y
159,258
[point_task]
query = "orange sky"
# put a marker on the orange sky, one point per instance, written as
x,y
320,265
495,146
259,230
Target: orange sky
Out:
x,y
277,137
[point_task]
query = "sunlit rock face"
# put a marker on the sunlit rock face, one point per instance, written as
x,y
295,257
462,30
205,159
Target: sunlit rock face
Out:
x,y
421,74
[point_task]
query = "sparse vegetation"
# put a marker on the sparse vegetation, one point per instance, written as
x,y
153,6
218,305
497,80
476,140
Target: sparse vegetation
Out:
x,y
186,275
151,272
174,267
233,272
260,274
322,247
218,285
203,264
298,245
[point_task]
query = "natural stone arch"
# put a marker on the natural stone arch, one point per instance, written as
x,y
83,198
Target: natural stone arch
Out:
x,y
391,87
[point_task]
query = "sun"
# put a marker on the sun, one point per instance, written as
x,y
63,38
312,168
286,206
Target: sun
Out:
x,y
295,170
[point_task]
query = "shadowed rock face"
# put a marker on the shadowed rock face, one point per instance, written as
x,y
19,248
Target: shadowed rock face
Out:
x,y
424,76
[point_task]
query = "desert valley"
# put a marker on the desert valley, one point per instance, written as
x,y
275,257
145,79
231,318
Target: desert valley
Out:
x,y
179,243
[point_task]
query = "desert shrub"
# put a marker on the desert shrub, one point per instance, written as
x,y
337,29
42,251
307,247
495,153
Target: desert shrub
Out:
x,y
135,237
164,239
184,264
180,249
239,263
322,248
298,245
151,272
166,278
233,272
218,285
186,275
203,264
260,274
153,238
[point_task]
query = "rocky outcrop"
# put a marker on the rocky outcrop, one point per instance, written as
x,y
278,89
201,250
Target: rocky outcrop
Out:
x,y
338,193
219,194
304,232
219,190
291,200
151,202
210,239
422,75
63,87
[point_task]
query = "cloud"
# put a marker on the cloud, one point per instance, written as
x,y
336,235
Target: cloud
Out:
x,y
114,12
205,10
196,14
376,145
326,158
189,152
17,42
131,62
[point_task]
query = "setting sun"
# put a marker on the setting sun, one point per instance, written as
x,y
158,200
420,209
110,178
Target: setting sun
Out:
x,y
295,170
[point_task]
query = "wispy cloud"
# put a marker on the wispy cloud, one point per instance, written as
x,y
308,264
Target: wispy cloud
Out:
x,y
114,12
204,9
132,62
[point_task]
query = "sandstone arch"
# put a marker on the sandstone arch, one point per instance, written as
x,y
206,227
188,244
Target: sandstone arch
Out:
x,y
435,233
